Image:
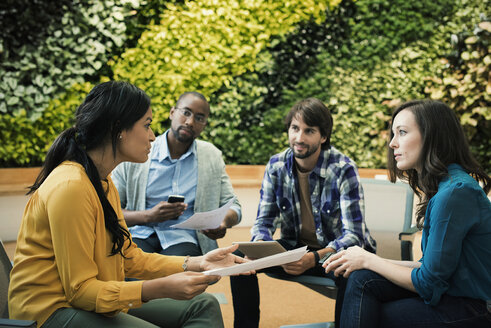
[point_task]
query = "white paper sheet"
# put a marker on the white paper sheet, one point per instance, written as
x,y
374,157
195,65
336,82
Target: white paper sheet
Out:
x,y
205,220
265,262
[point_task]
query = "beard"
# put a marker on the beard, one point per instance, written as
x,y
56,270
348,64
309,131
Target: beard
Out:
x,y
308,152
182,137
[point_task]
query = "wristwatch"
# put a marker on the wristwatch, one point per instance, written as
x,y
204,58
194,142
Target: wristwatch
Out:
x,y
325,257
316,257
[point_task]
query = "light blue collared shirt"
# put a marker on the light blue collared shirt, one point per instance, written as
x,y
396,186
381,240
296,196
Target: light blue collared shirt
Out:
x,y
166,177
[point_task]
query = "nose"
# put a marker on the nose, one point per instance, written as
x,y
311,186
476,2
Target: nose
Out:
x,y
393,143
189,120
152,135
299,137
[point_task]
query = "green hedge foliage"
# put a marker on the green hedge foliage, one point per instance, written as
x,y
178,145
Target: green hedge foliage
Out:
x,y
25,143
246,122
202,44
373,60
465,85
254,61
70,43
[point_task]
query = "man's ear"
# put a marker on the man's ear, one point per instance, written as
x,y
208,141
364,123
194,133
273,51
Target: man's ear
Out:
x,y
171,113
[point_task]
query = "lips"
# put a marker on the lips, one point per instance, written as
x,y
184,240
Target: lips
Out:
x,y
300,147
186,131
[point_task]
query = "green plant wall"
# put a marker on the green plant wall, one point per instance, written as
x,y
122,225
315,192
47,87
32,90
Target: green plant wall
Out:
x,y
254,60
201,45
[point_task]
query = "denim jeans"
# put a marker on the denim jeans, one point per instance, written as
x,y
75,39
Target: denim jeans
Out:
x,y
245,292
370,300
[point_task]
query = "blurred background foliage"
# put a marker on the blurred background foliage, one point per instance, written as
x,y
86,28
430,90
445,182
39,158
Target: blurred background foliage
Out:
x,y
253,60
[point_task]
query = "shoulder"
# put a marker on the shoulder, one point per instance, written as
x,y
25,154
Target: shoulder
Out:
x,y
68,181
207,148
458,191
335,163
280,161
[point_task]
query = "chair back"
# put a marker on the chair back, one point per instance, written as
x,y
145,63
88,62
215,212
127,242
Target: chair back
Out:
x,y
388,211
5,268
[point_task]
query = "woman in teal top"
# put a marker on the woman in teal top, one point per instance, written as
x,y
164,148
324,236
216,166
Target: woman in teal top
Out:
x,y
450,286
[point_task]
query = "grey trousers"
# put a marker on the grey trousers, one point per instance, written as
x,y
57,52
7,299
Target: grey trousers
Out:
x,y
201,311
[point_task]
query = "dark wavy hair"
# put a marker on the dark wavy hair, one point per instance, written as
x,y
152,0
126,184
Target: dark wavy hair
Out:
x,y
444,143
108,109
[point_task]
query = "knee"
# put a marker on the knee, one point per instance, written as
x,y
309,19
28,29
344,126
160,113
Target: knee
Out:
x,y
207,301
359,278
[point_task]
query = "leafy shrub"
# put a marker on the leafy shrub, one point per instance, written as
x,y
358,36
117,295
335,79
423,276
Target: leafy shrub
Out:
x,y
70,48
25,143
464,86
360,66
246,124
202,44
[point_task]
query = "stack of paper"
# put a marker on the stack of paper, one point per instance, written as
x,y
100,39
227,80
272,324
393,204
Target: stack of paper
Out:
x,y
206,220
265,262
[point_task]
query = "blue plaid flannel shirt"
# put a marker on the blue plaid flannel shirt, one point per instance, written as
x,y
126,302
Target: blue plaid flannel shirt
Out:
x,y
336,197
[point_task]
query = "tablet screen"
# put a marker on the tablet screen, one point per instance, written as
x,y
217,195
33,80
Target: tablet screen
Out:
x,y
259,249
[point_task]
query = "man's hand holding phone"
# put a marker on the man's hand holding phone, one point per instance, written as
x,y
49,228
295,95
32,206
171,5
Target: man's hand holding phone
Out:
x,y
167,210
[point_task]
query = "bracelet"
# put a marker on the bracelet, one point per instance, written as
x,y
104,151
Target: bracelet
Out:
x,y
185,264
316,257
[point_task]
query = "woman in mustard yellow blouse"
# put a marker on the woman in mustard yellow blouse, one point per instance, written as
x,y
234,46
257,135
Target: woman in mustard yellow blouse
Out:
x,y
74,249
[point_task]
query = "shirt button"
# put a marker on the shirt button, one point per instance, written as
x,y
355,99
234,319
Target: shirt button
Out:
x,y
284,207
130,304
328,211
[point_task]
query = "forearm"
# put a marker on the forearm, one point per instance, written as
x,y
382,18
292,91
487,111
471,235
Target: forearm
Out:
x,y
135,217
409,264
397,274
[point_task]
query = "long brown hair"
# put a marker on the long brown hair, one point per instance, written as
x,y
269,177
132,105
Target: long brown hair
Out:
x,y
444,143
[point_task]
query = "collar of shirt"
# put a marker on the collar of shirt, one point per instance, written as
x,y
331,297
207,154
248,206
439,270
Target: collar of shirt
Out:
x,y
161,149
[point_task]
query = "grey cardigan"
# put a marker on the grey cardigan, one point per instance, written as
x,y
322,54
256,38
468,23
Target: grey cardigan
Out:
x,y
213,190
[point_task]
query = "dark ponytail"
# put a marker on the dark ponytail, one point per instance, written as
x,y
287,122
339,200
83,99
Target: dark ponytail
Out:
x,y
108,109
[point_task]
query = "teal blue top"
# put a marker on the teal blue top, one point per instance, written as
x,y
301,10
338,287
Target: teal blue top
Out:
x,y
456,241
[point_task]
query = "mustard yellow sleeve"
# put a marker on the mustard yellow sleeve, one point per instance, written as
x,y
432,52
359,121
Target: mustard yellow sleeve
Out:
x,y
141,265
91,279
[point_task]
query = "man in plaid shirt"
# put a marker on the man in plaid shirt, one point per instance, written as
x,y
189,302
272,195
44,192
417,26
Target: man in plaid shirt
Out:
x,y
313,192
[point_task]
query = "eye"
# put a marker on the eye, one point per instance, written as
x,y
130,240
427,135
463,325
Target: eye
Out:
x,y
187,112
294,127
402,132
200,119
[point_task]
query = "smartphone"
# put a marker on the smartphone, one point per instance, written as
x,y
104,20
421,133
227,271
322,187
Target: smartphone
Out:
x,y
175,199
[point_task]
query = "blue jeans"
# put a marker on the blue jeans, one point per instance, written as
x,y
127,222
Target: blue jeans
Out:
x,y
370,300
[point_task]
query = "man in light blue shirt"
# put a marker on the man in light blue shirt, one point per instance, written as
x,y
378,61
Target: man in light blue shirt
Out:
x,y
178,165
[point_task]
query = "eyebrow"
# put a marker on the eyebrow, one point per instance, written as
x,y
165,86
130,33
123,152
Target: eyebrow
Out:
x,y
394,128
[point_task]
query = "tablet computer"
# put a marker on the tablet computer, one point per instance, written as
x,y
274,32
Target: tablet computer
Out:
x,y
259,249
